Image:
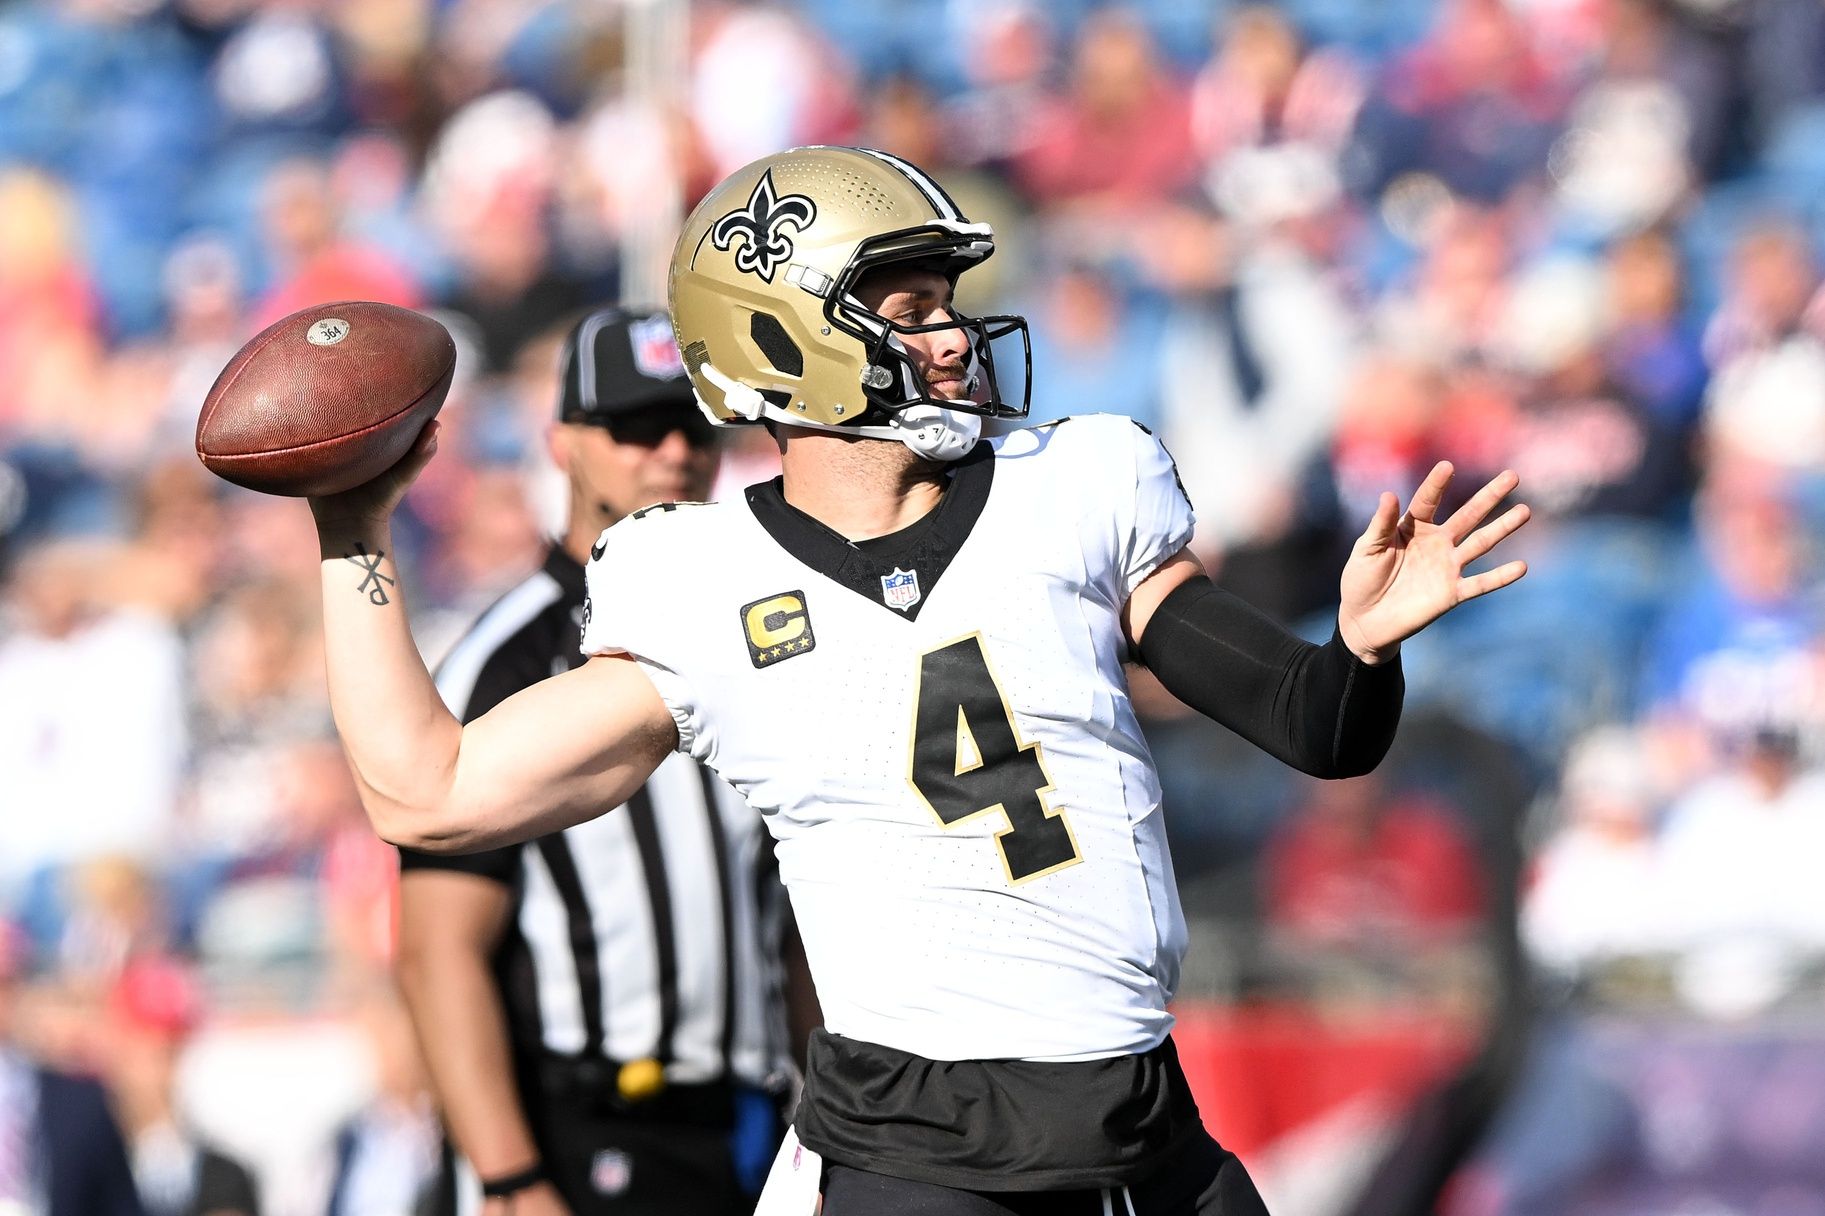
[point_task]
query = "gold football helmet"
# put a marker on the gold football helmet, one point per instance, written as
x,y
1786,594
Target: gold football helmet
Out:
x,y
762,300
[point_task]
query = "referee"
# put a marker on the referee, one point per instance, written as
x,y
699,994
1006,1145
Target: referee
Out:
x,y
601,1008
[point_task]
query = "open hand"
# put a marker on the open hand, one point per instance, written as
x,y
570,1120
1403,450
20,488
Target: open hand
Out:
x,y
1406,571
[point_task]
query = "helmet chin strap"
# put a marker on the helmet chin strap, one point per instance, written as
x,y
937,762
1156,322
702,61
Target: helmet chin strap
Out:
x,y
739,399
929,431
934,432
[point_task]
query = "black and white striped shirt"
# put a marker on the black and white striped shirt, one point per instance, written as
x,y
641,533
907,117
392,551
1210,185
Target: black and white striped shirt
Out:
x,y
650,932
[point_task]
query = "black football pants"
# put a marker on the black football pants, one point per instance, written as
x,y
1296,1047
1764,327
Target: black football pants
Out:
x,y
1204,1179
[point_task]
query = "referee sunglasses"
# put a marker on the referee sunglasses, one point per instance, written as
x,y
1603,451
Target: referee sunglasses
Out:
x,y
649,426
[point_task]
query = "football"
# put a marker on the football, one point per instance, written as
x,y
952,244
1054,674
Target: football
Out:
x,y
325,399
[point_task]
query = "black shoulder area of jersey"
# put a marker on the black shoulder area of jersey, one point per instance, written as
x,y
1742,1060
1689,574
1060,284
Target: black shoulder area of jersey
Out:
x,y
665,508
1058,422
658,510
1046,426
924,547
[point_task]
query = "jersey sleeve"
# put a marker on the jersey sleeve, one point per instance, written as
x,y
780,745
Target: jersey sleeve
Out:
x,y
624,613
1153,515
611,623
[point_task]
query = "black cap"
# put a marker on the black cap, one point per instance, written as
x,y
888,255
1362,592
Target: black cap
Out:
x,y
616,361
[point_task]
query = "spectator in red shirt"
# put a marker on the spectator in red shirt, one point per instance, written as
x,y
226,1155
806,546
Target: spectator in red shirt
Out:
x,y
315,261
1122,136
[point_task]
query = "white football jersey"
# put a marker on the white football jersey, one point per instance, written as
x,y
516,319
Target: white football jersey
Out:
x,y
937,728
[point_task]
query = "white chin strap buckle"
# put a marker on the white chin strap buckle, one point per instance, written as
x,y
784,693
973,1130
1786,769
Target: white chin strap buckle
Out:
x,y
937,433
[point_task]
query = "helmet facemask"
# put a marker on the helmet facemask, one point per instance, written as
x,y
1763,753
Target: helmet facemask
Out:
x,y
890,379
901,405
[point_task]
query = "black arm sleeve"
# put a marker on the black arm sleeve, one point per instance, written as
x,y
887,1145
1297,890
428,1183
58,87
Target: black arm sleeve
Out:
x,y
1318,708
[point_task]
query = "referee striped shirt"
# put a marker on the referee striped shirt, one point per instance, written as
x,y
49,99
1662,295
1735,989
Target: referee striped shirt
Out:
x,y
651,932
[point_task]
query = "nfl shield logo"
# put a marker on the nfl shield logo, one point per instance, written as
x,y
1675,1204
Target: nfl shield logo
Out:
x,y
655,349
610,1170
900,589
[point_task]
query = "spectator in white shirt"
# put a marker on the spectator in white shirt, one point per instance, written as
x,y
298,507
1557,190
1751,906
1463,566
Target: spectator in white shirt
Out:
x,y
1596,895
92,728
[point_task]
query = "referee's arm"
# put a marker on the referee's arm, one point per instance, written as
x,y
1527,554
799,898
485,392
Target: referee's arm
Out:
x,y
450,924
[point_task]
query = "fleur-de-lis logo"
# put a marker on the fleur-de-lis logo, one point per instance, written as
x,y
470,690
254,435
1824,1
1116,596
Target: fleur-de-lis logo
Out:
x,y
764,228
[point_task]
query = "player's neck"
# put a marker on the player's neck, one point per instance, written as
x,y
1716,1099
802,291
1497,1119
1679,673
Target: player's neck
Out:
x,y
858,488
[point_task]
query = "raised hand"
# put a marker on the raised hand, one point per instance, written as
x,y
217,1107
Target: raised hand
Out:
x,y
372,504
1406,571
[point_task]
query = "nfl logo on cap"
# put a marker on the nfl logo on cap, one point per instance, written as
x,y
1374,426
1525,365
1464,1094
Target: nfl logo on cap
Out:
x,y
900,589
655,349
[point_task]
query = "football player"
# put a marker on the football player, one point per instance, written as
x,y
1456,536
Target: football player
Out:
x,y
907,652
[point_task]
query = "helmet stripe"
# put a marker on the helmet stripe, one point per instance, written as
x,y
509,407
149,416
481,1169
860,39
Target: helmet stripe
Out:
x,y
934,193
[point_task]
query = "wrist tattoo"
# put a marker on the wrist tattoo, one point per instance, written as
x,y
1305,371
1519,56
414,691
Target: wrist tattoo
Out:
x,y
373,582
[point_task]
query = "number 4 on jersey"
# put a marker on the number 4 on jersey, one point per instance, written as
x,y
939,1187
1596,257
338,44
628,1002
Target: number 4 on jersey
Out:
x,y
968,761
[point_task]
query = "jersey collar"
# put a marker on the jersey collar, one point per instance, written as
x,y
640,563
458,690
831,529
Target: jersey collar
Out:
x,y
925,546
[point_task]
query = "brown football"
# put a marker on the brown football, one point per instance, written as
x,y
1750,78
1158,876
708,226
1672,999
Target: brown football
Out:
x,y
325,399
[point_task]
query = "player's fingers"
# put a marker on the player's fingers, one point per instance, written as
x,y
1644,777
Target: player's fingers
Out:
x,y
390,487
1380,532
1490,580
1467,517
1431,492
422,449
1490,535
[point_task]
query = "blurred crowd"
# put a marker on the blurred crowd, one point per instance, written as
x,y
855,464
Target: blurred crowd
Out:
x,y
1316,245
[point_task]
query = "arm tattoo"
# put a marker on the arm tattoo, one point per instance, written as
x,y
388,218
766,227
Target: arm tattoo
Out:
x,y
373,582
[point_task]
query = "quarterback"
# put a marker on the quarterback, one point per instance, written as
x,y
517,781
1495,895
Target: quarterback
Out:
x,y
907,653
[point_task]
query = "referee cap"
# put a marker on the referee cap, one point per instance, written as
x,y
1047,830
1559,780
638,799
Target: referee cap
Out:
x,y
620,360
